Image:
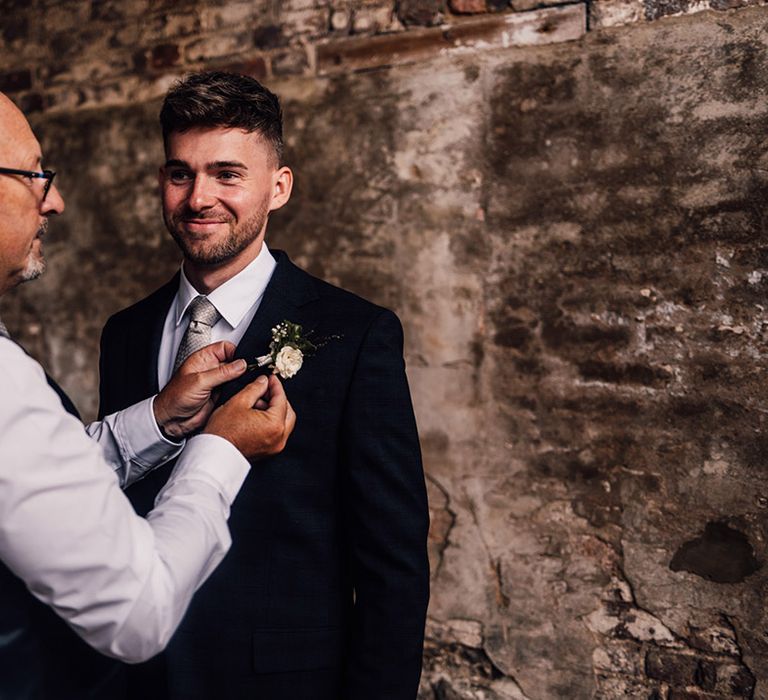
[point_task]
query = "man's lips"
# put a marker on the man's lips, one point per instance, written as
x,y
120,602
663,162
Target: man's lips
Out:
x,y
201,225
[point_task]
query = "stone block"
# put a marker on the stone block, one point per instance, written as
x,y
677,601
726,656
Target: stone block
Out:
x,y
118,11
235,15
612,13
32,102
654,9
16,80
735,680
424,13
341,20
674,669
256,67
682,669
533,28
165,26
269,36
373,20
216,46
165,56
467,6
15,28
308,21
290,62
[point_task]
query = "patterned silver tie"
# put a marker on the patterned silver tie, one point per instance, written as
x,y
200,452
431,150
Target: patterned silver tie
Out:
x,y
3,330
202,317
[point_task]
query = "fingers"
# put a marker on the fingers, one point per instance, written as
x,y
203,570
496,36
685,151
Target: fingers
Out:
x,y
278,402
212,378
252,392
290,421
223,351
208,357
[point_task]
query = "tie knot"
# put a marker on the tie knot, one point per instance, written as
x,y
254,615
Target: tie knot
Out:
x,y
202,312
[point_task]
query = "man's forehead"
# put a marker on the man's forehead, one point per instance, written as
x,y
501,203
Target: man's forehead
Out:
x,y
216,137
17,142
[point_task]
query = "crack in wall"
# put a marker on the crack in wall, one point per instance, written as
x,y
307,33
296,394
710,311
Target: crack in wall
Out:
x,y
494,563
444,540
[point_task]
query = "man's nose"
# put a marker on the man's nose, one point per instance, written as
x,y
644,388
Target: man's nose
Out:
x,y
53,202
202,194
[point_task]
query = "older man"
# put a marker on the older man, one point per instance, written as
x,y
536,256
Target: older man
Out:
x,y
69,539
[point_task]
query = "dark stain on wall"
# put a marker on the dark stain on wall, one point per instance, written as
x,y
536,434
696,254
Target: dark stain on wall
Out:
x,y
721,554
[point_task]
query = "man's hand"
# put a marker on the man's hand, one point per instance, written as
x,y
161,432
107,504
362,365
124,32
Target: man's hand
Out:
x,y
255,431
188,399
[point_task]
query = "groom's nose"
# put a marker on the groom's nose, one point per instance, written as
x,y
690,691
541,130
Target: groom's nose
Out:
x,y
202,194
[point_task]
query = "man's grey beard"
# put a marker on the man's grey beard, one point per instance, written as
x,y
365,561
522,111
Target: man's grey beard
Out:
x,y
237,240
36,264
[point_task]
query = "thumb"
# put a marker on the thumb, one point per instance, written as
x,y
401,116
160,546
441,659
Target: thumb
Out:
x,y
248,396
212,378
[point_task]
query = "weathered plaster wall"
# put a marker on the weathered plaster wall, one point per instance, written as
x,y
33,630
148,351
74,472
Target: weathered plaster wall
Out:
x,y
574,237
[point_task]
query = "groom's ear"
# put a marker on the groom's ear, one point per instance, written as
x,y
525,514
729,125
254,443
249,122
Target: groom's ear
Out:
x,y
282,186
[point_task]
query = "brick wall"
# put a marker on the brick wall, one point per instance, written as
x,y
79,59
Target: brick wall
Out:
x,y
109,52
565,204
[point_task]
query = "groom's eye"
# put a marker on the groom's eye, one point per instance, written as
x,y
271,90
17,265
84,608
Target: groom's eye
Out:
x,y
179,176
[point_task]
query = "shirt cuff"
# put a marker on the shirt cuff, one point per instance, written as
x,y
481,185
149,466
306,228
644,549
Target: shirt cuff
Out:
x,y
216,461
141,436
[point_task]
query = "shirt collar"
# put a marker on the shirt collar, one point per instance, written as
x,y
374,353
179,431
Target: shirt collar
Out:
x,y
237,295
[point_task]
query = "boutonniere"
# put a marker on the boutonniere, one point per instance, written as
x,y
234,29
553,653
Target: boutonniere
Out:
x,y
289,346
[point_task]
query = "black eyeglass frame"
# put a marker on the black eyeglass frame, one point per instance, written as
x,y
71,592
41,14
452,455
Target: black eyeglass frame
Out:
x,y
46,175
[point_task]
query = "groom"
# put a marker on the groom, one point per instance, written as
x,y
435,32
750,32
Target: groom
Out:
x,y
324,593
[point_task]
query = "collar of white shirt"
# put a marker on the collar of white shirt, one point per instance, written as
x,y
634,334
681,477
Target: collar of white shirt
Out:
x,y
236,296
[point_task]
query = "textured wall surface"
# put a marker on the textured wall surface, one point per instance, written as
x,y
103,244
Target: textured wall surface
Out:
x,y
570,219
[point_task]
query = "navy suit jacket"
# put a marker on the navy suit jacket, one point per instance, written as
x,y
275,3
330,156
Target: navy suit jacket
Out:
x,y
323,595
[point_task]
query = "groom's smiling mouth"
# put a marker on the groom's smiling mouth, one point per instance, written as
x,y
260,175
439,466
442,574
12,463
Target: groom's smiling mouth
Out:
x,y
202,225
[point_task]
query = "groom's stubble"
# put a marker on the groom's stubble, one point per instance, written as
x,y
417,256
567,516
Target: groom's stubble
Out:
x,y
205,253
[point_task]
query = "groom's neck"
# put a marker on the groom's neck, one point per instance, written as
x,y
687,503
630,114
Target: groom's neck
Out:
x,y
206,278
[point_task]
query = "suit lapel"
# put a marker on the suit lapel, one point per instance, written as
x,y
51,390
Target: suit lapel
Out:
x,y
148,333
289,289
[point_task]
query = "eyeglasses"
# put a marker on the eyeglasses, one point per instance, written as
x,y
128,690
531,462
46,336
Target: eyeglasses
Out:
x,y
46,175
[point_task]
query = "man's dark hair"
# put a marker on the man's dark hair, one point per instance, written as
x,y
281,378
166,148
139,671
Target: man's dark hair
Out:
x,y
226,100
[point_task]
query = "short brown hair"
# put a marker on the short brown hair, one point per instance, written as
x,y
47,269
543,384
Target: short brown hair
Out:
x,y
216,98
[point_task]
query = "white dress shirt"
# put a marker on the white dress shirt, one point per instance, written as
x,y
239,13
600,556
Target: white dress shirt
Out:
x,y
122,582
132,442
237,300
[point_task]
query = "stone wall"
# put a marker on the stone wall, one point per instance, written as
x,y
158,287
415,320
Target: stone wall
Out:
x,y
566,206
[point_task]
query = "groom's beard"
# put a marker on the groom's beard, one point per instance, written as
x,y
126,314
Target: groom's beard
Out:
x,y
203,252
35,265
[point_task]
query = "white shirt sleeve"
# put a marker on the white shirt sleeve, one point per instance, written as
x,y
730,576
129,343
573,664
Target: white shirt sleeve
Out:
x,y
132,442
66,529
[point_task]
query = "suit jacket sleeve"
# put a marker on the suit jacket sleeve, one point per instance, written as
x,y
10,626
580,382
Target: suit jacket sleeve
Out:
x,y
111,357
387,520
104,378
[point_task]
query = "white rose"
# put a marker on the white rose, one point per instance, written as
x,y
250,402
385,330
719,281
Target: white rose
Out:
x,y
288,361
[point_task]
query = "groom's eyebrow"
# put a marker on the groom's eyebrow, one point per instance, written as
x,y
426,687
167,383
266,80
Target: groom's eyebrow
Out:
x,y
216,164
226,164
